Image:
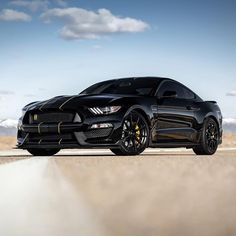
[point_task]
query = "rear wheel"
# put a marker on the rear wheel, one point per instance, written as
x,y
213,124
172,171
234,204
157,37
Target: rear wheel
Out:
x,y
135,135
209,138
42,152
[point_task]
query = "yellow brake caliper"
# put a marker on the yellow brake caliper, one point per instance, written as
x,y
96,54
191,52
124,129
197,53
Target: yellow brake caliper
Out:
x,y
137,132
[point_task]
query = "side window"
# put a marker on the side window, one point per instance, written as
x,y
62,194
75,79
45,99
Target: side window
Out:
x,y
166,86
188,94
180,90
170,86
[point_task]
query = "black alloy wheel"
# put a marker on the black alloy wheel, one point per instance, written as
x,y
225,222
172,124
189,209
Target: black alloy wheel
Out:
x,y
135,135
209,138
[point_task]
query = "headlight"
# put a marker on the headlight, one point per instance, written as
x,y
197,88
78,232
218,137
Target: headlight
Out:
x,y
104,110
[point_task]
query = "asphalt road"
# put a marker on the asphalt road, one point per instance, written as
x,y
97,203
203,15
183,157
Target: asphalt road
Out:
x,y
92,192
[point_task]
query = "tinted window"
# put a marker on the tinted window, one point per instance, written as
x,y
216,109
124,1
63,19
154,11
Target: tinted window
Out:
x,y
138,86
180,90
188,94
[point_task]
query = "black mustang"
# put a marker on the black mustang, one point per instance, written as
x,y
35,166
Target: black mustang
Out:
x,y
124,115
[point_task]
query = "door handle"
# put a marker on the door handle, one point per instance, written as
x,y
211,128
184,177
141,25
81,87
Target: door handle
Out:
x,y
192,107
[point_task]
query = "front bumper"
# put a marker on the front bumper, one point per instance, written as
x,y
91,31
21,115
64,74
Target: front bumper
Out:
x,y
69,135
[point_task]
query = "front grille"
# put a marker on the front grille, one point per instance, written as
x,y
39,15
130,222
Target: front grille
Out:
x,y
50,117
98,133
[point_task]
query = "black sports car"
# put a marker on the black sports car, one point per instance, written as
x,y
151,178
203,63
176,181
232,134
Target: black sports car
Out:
x,y
124,115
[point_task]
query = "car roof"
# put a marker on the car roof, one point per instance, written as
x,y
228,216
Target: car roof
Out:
x,y
140,77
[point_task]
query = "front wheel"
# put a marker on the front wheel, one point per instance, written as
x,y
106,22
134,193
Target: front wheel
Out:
x,y
135,135
42,152
209,138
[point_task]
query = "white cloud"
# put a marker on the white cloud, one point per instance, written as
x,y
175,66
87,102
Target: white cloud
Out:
x,y
84,24
12,15
232,93
31,5
36,5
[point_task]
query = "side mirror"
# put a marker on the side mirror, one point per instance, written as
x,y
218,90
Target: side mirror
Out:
x,y
169,94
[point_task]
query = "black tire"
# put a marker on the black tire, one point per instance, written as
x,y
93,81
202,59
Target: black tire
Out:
x,y
117,151
209,138
135,135
42,152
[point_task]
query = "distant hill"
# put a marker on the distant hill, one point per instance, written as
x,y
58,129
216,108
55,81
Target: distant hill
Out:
x,y
8,127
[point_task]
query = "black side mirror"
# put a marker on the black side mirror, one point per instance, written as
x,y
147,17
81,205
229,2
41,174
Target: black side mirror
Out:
x,y
169,94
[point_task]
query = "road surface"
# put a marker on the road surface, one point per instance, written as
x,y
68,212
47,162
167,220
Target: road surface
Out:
x,y
91,192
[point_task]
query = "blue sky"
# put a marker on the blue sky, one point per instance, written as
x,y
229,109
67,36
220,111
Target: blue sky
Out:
x,y
53,47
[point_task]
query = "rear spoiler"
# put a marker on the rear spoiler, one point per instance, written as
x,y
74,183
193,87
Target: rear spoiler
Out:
x,y
214,102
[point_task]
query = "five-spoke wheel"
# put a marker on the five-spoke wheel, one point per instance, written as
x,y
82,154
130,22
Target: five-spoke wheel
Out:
x,y
135,135
209,138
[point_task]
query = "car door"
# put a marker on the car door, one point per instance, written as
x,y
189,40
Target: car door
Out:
x,y
175,114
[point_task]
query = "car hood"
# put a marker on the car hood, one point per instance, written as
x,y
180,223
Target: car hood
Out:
x,y
71,102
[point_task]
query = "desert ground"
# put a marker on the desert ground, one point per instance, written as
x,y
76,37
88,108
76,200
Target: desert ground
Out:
x,y
92,192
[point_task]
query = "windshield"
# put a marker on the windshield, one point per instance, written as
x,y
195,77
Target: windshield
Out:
x,y
134,86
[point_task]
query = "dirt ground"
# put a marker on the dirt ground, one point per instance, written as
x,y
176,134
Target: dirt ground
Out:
x,y
7,142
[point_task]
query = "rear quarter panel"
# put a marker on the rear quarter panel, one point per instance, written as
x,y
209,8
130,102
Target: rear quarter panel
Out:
x,y
209,109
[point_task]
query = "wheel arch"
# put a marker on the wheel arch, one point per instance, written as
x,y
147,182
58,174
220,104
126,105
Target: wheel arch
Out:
x,y
214,118
141,111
